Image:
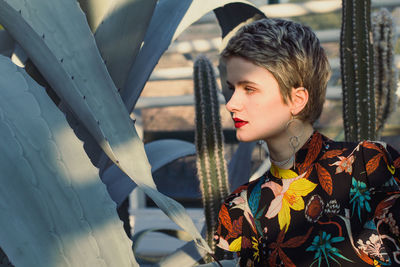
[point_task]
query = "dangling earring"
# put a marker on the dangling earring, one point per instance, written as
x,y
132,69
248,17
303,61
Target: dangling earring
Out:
x,y
260,144
294,139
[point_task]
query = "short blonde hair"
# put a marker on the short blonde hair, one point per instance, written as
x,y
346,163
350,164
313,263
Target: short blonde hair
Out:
x,y
292,53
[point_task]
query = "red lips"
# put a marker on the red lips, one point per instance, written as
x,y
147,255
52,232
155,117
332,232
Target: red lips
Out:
x,y
239,123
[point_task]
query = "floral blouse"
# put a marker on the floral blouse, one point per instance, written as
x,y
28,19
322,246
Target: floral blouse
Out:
x,y
339,206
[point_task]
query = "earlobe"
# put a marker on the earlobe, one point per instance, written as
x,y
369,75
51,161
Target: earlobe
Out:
x,y
299,99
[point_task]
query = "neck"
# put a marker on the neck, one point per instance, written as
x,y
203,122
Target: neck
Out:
x,y
280,149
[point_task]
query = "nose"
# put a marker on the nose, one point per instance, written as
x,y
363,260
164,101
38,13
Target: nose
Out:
x,y
234,103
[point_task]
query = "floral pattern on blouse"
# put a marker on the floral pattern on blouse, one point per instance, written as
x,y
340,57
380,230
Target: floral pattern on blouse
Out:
x,y
338,206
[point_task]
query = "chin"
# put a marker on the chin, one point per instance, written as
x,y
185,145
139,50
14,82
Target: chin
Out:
x,y
245,138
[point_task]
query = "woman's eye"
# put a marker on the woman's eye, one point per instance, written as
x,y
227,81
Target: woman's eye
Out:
x,y
231,88
249,89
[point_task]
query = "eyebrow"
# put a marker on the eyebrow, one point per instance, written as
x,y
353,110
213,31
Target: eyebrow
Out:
x,y
244,82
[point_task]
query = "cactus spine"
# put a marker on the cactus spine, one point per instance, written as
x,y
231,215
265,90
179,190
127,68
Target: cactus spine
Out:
x,y
356,56
385,72
211,164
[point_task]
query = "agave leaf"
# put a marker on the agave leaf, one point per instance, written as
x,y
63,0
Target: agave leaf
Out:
x,y
118,38
19,57
120,35
95,11
164,28
159,153
162,152
64,50
235,14
187,255
178,234
6,43
54,209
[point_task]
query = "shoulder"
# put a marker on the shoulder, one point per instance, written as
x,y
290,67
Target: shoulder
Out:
x,y
366,149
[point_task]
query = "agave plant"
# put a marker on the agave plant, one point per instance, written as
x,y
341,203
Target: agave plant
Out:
x,y
55,209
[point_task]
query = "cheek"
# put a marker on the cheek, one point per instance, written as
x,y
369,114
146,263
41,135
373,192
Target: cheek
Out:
x,y
270,105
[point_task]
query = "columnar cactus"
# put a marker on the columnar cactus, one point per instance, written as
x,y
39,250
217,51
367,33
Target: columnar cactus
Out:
x,y
385,72
211,164
356,56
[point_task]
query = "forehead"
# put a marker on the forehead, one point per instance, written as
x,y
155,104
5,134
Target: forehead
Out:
x,y
239,69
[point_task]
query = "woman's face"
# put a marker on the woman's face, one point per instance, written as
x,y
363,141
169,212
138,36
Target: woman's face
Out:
x,y
256,105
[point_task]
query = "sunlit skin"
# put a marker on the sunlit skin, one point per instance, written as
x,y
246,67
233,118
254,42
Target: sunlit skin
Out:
x,y
258,109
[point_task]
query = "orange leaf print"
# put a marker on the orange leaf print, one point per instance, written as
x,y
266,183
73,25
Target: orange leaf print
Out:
x,y
291,243
373,163
236,228
324,178
333,153
308,173
365,257
382,206
297,241
286,260
225,218
314,149
396,163
370,145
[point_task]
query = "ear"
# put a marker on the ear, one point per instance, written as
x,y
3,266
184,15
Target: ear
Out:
x,y
299,99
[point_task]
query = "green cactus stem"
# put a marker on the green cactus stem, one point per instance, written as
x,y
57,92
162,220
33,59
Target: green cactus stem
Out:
x,y
211,164
385,71
356,56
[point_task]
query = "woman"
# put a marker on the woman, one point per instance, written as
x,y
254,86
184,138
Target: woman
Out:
x,y
322,202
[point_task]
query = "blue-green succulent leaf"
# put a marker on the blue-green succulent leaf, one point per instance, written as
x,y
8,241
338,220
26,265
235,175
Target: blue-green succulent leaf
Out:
x,y
6,43
159,152
120,35
55,211
64,50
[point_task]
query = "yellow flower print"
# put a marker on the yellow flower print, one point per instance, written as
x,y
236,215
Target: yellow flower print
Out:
x,y
236,244
288,196
282,173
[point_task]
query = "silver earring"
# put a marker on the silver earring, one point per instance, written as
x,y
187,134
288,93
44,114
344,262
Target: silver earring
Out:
x,y
260,143
295,133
